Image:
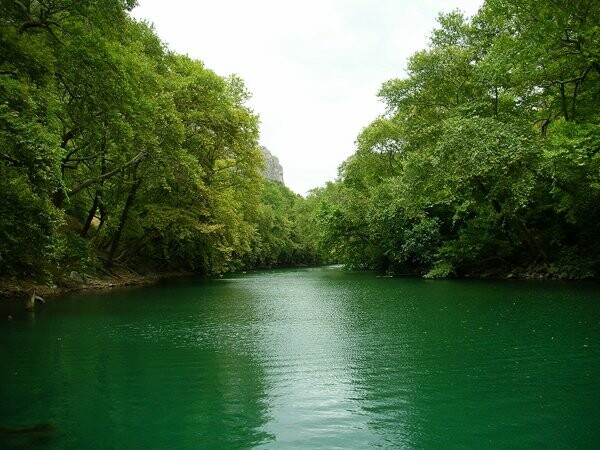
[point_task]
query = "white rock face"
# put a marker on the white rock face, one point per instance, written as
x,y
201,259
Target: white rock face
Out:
x,y
273,170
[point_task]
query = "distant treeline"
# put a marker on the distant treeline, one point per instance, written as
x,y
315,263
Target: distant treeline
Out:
x,y
487,160
117,152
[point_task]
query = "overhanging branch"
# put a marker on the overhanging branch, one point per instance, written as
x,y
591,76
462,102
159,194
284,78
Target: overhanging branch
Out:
x,y
98,179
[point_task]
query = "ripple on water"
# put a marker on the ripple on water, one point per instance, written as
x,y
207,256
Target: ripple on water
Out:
x,y
310,359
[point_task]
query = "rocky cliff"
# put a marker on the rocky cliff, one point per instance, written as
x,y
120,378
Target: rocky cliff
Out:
x,y
273,170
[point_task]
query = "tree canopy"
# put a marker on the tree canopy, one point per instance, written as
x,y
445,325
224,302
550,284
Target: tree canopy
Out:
x,y
116,151
486,159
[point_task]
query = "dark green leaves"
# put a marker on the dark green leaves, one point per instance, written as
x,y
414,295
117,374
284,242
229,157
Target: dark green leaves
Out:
x,y
487,158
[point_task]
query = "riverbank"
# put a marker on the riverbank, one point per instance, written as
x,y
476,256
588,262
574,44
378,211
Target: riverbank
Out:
x,y
546,272
12,288
541,271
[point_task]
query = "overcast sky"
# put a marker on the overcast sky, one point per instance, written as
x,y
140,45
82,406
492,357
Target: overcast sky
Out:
x,y
313,67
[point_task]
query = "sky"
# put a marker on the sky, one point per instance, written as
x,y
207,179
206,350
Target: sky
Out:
x,y
313,67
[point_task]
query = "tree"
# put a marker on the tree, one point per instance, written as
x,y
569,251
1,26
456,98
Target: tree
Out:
x,y
113,147
486,157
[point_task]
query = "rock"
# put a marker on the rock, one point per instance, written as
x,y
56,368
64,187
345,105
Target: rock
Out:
x,y
273,170
76,277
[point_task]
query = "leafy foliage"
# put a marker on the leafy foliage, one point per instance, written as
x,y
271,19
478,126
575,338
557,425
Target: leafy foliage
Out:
x,y
116,151
486,160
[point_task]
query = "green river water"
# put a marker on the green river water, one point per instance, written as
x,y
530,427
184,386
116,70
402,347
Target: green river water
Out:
x,y
308,358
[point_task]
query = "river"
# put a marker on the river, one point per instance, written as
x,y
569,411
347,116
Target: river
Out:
x,y
307,358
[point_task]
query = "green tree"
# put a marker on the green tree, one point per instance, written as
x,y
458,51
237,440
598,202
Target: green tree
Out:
x,y
486,159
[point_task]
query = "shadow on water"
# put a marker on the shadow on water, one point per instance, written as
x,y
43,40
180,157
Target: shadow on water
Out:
x,y
26,437
163,367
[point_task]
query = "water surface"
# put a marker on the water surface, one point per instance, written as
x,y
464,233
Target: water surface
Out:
x,y
310,358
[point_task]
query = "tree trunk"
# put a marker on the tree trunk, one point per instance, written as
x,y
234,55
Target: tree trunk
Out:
x,y
130,198
563,102
98,194
90,217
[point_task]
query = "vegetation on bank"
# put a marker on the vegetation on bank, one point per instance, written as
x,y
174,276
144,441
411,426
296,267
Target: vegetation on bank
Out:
x,y
116,152
486,160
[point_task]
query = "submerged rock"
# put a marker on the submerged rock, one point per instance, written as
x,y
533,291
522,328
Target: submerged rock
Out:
x,y
33,429
34,436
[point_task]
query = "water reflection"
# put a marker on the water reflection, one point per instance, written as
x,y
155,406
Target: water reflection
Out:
x,y
355,360
308,359
144,369
304,348
466,363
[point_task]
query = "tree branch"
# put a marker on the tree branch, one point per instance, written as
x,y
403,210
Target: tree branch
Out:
x,y
107,175
68,136
11,160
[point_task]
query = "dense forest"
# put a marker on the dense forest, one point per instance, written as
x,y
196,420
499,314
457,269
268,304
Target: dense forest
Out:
x,y
486,161
118,153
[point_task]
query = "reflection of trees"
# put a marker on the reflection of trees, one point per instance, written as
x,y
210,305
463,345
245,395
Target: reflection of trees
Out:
x,y
333,360
133,372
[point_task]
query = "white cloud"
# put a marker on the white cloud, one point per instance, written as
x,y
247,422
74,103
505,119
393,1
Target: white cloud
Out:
x,y
313,67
